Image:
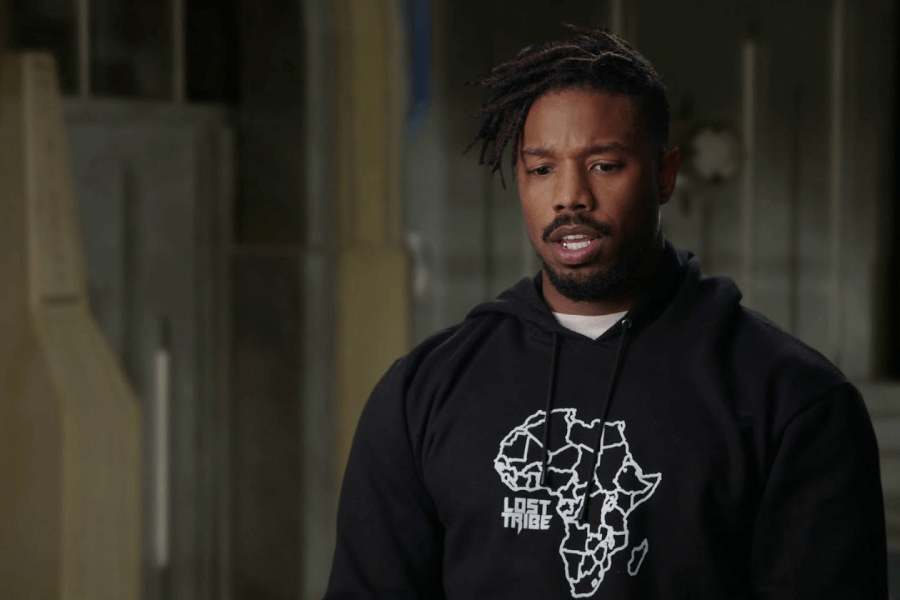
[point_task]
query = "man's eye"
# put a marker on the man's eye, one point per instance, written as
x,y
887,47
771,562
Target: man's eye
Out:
x,y
540,170
606,167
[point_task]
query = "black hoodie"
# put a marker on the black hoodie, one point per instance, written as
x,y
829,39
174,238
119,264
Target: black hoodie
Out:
x,y
734,461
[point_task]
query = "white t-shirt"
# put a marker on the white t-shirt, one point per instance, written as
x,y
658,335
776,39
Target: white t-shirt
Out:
x,y
590,326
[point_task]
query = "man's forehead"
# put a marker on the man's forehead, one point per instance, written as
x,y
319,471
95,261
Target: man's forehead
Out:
x,y
595,121
601,148
579,106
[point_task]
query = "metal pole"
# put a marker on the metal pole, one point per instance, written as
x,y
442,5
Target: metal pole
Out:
x,y
835,180
5,28
748,192
162,403
178,52
83,16
616,17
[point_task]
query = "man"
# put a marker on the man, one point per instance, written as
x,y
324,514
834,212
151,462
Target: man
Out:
x,y
618,427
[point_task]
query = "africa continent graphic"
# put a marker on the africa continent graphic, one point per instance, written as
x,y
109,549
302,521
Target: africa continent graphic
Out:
x,y
620,485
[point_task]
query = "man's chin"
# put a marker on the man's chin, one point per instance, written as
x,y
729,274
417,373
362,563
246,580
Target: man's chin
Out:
x,y
580,287
595,284
575,276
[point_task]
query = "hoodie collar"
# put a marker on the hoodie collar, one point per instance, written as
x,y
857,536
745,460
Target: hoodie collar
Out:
x,y
525,299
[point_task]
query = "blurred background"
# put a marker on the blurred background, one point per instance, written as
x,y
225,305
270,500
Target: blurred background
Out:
x,y
274,204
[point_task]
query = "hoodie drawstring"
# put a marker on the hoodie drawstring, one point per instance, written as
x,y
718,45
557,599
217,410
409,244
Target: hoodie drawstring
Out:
x,y
595,458
545,454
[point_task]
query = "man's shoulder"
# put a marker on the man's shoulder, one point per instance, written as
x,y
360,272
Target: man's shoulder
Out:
x,y
440,351
458,338
415,380
760,331
763,349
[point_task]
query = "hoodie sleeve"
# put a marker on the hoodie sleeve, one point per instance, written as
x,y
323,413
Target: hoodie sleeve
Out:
x,y
820,530
389,538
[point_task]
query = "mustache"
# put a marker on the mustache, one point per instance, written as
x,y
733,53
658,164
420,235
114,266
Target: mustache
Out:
x,y
575,219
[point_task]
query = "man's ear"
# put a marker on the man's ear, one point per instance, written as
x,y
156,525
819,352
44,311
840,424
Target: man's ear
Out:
x,y
667,173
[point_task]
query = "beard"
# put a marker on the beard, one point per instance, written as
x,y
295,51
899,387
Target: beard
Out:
x,y
602,285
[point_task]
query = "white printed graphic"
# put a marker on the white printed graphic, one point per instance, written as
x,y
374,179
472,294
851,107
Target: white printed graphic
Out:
x,y
637,558
619,486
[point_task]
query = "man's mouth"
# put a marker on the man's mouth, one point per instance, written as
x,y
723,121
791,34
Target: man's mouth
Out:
x,y
576,249
574,229
575,242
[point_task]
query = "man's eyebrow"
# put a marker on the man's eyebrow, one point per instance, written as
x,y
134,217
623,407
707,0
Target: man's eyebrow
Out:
x,y
540,152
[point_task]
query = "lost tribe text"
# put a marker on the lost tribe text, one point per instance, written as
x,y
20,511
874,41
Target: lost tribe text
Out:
x,y
526,513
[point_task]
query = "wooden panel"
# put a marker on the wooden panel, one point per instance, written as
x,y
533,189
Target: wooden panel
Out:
x,y
100,448
372,307
371,87
371,312
71,426
30,465
57,272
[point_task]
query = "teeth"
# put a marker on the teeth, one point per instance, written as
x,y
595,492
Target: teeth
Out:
x,y
575,241
576,245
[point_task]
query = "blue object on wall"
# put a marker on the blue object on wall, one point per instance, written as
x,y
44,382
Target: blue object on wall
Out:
x,y
417,18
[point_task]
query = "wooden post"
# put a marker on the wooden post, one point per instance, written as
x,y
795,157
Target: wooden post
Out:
x,y
372,303
69,422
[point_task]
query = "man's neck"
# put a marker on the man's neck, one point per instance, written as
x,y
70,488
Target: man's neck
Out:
x,y
624,298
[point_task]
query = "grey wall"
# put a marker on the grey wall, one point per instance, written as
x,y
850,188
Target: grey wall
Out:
x,y
154,188
791,278
217,221
267,292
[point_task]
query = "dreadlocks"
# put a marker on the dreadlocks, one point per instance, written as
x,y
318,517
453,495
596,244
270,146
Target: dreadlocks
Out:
x,y
595,60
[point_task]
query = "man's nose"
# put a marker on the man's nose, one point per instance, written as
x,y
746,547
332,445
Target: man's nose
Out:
x,y
575,192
